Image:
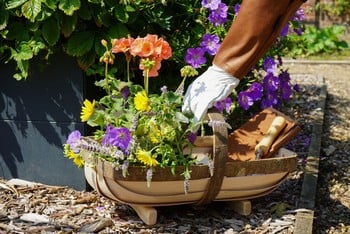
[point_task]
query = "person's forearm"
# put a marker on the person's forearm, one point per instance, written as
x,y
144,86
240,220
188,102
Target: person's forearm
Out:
x,y
255,29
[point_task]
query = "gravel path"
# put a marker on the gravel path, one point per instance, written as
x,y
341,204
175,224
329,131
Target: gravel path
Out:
x,y
333,192
35,208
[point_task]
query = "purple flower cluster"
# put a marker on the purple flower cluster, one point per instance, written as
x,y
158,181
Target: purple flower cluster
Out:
x,y
247,98
224,105
271,92
217,11
73,141
236,8
119,137
196,56
210,42
298,18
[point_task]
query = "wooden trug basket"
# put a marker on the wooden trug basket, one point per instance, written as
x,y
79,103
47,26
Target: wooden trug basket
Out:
x,y
236,181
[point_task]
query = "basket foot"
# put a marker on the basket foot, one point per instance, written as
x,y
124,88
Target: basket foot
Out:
x,y
147,214
241,207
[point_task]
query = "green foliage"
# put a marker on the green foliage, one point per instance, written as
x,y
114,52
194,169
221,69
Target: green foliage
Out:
x,y
30,28
316,41
337,8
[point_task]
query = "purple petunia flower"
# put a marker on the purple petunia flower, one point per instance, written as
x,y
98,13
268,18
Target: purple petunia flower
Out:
x,y
218,16
271,82
192,137
73,140
244,100
195,57
296,88
236,8
211,4
223,105
286,90
255,91
125,92
210,43
284,77
270,100
285,30
299,15
119,137
298,31
269,65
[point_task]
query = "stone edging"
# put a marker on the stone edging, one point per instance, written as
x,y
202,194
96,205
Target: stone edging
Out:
x,y
315,62
304,218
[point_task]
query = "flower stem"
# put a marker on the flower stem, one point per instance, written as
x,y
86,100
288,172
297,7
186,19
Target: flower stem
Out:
x,y
106,77
146,80
181,85
128,69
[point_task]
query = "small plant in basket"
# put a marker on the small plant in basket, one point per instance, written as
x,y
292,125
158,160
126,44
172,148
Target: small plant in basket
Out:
x,y
133,126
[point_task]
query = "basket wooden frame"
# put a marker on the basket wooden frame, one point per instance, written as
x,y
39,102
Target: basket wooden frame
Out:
x,y
229,180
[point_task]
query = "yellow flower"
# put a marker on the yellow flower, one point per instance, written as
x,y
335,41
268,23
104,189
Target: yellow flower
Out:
x,y
155,133
87,110
146,158
141,101
77,159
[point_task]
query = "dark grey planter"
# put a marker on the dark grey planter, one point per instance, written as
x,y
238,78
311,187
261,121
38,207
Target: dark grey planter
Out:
x,y
36,116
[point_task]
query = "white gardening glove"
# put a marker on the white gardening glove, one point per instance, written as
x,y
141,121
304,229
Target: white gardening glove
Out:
x,y
213,85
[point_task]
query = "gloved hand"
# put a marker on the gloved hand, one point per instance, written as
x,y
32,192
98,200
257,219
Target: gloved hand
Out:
x,y
213,85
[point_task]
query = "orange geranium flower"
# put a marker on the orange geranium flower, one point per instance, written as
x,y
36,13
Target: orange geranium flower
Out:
x,y
121,45
152,38
142,47
163,49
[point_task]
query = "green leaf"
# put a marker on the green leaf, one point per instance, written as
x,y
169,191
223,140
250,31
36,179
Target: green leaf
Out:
x,y
80,43
31,9
36,46
118,30
121,14
86,60
84,12
69,6
68,24
44,14
24,52
17,32
22,66
50,4
51,31
14,3
3,18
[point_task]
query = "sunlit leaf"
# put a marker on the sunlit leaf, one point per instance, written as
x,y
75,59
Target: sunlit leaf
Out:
x,y
11,4
31,9
50,4
69,6
121,14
